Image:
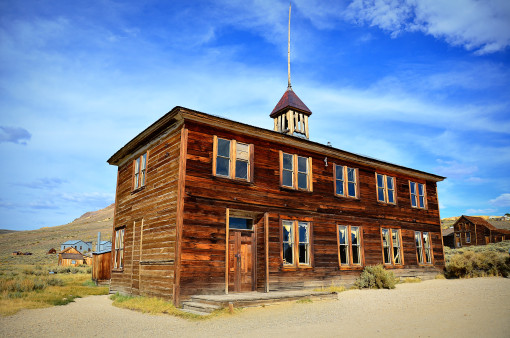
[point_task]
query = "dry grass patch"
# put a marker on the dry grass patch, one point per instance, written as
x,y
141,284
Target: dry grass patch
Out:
x,y
411,280
156,306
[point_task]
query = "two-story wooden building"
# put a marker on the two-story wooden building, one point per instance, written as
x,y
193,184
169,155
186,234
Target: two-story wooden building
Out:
x,y
209,205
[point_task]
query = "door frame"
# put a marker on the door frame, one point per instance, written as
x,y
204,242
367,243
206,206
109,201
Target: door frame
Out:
x,y
236,235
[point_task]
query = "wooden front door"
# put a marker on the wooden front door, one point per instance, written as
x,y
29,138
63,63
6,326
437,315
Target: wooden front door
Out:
x,y
241,272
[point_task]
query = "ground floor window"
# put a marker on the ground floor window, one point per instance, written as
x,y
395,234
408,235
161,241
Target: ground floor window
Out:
x,y
295,243
349,245
118,261
423,247
468,237
392,248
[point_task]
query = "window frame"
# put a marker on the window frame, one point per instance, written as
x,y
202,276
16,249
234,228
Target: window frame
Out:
x,y
391,246
466,235
295,240
345,181
423,248
295,172
417,194
118,249
233,160
361,255
385,188
139,171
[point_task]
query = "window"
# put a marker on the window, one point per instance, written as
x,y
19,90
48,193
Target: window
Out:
x,y
295,171
232,159
73,262
417,195
295,243
239,223
468,237
385,188
140,169
118,261
392,249
346,181
349,245
423,248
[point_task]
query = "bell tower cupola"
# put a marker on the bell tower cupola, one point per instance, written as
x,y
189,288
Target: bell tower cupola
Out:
x,y
290,114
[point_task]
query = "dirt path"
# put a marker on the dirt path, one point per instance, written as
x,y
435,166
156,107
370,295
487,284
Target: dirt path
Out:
x,y
477,307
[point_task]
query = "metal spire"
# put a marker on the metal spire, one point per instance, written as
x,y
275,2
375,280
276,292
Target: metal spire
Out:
x,y
288,63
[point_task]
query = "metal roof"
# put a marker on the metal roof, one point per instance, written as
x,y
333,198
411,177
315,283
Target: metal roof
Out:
x,y
290,100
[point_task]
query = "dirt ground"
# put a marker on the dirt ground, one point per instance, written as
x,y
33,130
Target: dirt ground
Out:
x,y
478,307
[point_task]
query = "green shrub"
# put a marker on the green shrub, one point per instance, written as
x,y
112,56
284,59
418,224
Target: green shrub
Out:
x,y
54,281
477,264
376,277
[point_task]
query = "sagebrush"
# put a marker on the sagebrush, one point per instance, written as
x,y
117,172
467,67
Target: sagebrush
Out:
x,y
376,277
477,264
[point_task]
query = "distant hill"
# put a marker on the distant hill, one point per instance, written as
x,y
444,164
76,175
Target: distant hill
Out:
x,y
41,240
3,231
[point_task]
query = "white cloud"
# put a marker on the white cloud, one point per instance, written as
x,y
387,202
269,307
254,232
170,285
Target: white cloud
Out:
x,y
482,26
454,169
502,200
481,212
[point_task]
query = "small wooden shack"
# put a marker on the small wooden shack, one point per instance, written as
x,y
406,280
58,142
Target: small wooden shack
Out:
x,y
473,230
70,257
101,267
448,237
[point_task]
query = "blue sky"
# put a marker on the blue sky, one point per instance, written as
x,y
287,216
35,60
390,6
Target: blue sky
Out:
x,y
424,84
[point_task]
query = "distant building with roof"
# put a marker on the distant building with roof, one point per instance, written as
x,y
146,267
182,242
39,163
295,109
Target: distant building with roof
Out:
x,y
472,230
79,245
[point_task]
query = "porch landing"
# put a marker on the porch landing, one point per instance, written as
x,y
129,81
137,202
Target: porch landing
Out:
x,y
208,303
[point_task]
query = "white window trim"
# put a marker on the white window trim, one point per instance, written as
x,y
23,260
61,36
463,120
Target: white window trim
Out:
x,y
295,172
233,159
417,195
345,181
385,189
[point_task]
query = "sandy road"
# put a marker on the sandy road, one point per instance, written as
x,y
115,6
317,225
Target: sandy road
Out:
x,y
477,307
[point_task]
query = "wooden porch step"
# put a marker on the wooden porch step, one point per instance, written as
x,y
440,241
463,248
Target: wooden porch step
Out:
x,y
199,306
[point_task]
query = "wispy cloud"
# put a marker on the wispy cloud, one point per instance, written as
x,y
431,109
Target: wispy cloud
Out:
x,y
480,26
43,183
453,169
502,200
16,135
480,211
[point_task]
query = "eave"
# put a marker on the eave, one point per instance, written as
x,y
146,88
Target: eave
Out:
x,y
181,114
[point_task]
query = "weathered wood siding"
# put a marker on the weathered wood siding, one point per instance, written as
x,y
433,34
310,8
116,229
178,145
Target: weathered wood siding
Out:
x,y
207,197
148,215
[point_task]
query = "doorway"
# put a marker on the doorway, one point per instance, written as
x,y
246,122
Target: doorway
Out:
x,y
241,272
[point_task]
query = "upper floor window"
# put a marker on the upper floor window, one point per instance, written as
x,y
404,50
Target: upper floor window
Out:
x,y
417,194
232,159
385,188
295,171
295,243
349,245
118,259
140,171
392,249
346,181
423,247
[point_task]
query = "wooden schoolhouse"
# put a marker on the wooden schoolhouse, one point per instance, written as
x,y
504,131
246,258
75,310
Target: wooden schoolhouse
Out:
x,y
207,205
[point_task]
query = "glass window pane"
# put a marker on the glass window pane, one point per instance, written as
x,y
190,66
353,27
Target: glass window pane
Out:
x,y
287,254
222,166
303,232
413,189
287,231
380,182
339,172
354,235
356,259
351,175
344,254
302,164
242,151
351,189
339,187
240,223
287,178
223,147
380,194
287,162
137,165
389,182
302,181
420,189
242,169
387,259
391,199
342,232
144,160
386,237
303,254
422,202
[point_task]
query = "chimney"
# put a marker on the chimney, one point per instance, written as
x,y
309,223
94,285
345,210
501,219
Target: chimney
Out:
x,y
98,246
